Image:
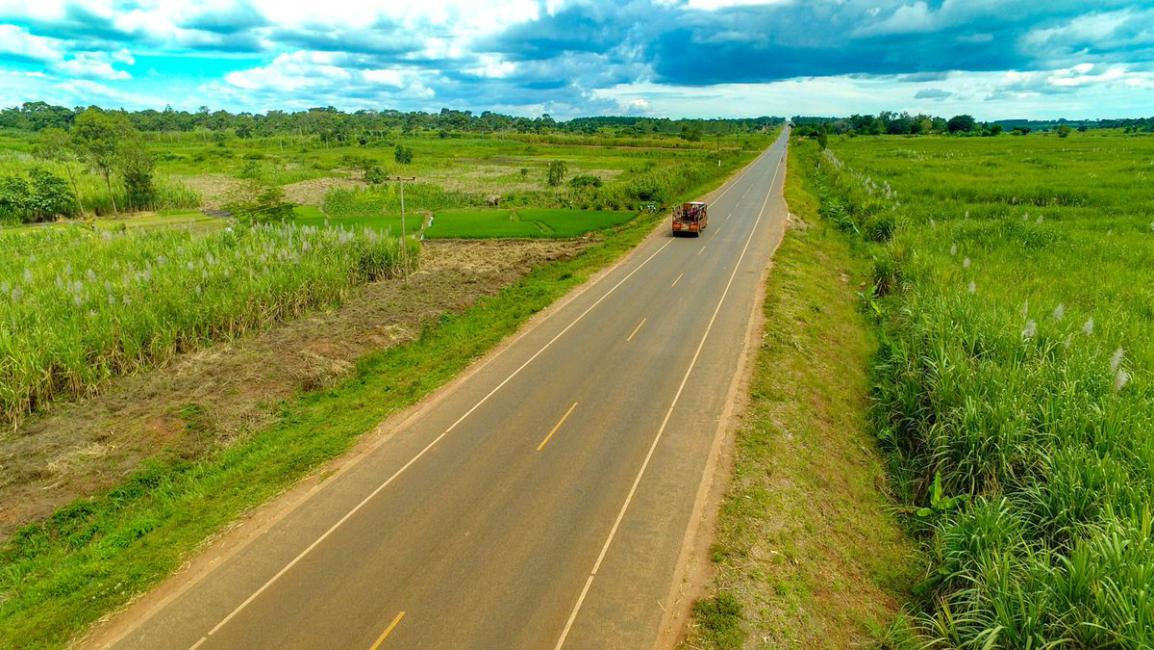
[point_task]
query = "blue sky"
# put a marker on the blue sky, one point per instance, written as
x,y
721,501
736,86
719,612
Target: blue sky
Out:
x,y
698,58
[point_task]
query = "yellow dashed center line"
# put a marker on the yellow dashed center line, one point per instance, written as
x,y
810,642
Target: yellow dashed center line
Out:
x,y
702,249
638,328
676,281
388,630
556,427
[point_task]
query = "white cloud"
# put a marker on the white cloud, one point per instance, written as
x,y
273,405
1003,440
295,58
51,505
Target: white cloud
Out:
x,y
987,95
95,65
492,66
322,76
906,19
18,42
711,5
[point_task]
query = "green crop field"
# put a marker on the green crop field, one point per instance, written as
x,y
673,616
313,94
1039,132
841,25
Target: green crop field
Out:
x,y
522,222
1013,385
89,298
79,306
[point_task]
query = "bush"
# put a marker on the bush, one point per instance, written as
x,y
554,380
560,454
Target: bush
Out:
x,y
42,196
256,203
50,196
578,182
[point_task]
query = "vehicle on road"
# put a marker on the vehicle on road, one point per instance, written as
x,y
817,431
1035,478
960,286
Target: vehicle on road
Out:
x,y
690,218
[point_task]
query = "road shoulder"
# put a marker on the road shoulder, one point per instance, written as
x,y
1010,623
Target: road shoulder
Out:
x,y
807,552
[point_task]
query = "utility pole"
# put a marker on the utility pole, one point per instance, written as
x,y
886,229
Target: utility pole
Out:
x,y
402,180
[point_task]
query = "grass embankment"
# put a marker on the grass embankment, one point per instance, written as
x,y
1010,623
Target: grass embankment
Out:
x,y
1013,385
92,557
807,553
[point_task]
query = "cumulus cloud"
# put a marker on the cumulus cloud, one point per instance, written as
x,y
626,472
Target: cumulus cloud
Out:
x,y
577,55
17,43
315,76
95,65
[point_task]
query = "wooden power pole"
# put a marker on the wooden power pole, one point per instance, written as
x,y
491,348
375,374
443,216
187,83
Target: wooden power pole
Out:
x,y
402,180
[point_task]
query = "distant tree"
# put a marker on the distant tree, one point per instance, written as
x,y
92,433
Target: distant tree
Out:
x,y
136,168
961,124
995,129
556,173
56,145
403,155
1064,131
258,203
690,133
244,132
97,137
940,125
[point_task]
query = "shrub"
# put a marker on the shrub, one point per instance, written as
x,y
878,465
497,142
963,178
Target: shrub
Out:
x,y
256,203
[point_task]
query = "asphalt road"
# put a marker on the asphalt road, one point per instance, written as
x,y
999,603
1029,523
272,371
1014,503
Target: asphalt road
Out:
x,y
544,501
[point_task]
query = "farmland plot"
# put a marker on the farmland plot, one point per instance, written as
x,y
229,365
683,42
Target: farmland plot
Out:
x,y
1013,383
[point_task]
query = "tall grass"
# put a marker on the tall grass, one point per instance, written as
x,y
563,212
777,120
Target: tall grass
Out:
x,y
78,307
1013,383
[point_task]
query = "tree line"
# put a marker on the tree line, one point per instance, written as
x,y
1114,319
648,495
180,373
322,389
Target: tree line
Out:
x,y
333,125
893,123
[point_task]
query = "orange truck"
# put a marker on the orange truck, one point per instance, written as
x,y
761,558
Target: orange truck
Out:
x,y
690,218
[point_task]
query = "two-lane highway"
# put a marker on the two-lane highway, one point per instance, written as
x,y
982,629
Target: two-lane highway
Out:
x,y
541,503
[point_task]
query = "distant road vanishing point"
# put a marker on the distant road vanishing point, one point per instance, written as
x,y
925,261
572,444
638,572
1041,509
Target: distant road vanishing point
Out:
x,y
544,501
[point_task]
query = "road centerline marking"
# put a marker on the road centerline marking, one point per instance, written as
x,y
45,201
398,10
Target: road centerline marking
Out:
x,y
388,630
556,427
636,329
679,276
664,422
380,488
702,250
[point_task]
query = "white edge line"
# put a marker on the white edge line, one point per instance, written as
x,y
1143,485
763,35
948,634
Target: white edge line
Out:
x,y
664,423
421,453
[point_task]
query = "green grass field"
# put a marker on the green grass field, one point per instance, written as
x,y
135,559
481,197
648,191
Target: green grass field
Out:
x,y
1012,289
450,171
307,215
62,574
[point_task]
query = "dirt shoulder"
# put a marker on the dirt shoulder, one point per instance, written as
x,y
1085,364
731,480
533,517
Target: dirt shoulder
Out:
x,y
206,400
807,552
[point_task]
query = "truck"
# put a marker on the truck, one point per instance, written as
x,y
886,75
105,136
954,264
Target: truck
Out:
x,y
690,218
